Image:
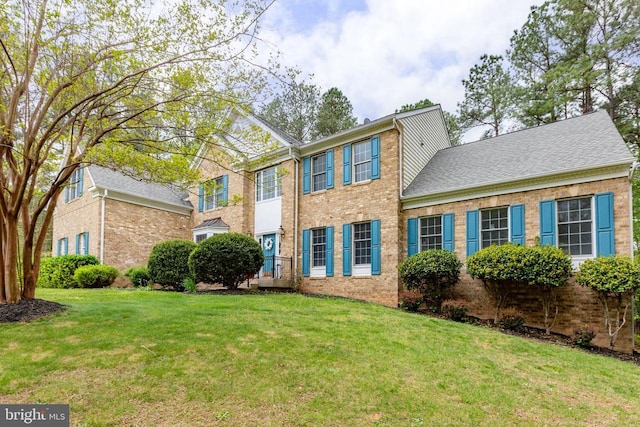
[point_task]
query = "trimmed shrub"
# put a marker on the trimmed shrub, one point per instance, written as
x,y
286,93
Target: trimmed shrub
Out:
x,y
547,268
583,336
502,267
168,262
612,278
226,259
57,272
95,276
139,276
432,273
454,310
410,300
511,319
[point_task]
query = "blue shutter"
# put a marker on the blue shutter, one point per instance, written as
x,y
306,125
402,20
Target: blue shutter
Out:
x,y
447,232
306,245
59,247
516,226
346,249
306,175
78,244
375,247
80,181
473,238
346,165
86,243
66,194
225,189
375,157
329,158
200,197
329,254
605,238
548,222
412,236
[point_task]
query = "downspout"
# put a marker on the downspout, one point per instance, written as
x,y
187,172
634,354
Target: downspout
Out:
x,y
102,209
295,212
632,172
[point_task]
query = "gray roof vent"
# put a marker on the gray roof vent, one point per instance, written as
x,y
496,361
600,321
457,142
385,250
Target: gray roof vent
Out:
x,y
367,121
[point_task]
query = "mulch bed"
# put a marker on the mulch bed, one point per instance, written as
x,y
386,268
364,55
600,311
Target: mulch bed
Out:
x,y
29,309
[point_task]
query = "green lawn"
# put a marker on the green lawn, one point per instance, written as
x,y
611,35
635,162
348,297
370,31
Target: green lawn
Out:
x,y
122,357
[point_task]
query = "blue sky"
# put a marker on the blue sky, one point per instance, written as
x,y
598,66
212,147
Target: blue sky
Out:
x,y
386,53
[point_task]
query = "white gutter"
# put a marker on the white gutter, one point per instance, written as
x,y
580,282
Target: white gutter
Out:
x,y
103,206
295,211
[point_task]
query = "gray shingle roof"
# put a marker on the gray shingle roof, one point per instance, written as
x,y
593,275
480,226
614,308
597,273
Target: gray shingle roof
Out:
x,y
275,129
116,181
584,142
215,222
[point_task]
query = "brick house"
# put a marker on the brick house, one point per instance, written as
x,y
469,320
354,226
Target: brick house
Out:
x,y
342,212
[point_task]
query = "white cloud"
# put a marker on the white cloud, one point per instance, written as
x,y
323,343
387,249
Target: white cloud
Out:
x,y
394,52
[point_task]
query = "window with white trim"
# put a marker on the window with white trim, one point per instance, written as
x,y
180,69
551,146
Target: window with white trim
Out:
x,y
83,241
431,232
268,184
362,161
575,226
214,194
318,250
201,237
75,190
494,226
362,244
63,246
319,172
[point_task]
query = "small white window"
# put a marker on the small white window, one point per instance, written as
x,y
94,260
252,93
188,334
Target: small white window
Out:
x,y
268,184
575,226
362,161
431,233
494,226
319,172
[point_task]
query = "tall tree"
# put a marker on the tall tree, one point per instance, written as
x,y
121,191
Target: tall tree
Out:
x,y
108,82
453,125
487,96
335,113
294,110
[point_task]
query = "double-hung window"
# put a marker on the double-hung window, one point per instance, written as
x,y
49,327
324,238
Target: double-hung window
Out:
x,y
361,248
494,225
319,172
268,184
431,232
362,244
74,189
575,226
362,161
317,252
63,246
82,244
583,227
214,194
318,249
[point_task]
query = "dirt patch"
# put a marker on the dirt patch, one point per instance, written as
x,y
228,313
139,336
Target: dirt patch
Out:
x,y
29,309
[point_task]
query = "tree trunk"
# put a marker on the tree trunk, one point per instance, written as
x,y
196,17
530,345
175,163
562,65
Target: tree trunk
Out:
x,y
10,258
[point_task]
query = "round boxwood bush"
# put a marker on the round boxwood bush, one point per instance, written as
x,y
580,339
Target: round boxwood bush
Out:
x,y
95,276
168,262
57,272
431,273
139,276
226,259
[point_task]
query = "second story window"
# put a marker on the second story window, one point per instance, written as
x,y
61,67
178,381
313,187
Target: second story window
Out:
x,y
74,189
268,184
319,172
214,197
362,161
